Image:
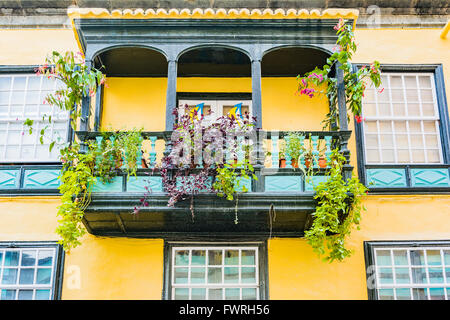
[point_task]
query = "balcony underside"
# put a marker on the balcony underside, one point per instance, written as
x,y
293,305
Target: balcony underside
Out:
x,y
258,215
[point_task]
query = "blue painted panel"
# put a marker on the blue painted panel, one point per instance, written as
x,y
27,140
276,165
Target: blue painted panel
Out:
x,y
430,177
138,184
9,179
386,178
114,186
283,183
41,179
313,181
245,182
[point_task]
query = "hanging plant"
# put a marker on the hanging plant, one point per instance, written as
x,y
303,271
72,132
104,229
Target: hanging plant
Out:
x,y
338,211
355,82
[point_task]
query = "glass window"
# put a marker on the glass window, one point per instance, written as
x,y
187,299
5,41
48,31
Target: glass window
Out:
x,y
401,123
412,273
215,273
27,273
213,109
22,96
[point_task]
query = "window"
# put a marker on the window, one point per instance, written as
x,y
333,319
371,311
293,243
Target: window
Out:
x,y
410,271
401,123
29,271
213,272
21,97
213,109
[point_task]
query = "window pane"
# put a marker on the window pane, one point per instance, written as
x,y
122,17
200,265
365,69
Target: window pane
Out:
x,y
9,276
434,257
215,294
419,275
214,275
5,83
232,294
386,276
248,274
181,294
8,294
437,294
400,257
12,258
436,275
181,275
26,276
215,257
402,275
42,295
383,258
45,258
231,274
44,276
25,295
198,257
386,294
249,293
198,294
403,294
248,257
182,257
417,257
420,294
198,275
447,257
19,83
232,257
28,258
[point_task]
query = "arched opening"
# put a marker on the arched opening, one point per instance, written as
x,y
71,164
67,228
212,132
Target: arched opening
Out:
x,y
282,107
132,62
135,92
218,78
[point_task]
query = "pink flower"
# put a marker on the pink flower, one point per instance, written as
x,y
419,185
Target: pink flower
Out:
x,y
359,119
380,91
91,93
103,80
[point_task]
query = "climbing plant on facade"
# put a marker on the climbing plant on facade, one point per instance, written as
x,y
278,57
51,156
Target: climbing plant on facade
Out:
x,y
355,82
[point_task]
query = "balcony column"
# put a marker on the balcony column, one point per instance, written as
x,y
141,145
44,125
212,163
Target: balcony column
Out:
x,y
256,92
85,103
343,124
258,186
171,99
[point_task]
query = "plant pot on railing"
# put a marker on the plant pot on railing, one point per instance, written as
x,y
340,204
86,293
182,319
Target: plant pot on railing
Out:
x,y
282,163
322,162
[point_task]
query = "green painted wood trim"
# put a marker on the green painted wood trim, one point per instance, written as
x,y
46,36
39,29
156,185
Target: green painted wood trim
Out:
x,y
138,184
9,179
116,185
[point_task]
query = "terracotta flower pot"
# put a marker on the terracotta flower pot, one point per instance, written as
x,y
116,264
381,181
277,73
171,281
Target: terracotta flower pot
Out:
x,y
322,162
294,163
282,163
307,163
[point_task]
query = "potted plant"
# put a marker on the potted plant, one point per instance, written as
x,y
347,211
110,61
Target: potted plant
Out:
x,y
294,147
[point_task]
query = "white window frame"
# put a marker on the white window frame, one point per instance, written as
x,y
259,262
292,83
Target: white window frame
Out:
x,y
405,118
58,118
216,107
380,286
222,285
19,267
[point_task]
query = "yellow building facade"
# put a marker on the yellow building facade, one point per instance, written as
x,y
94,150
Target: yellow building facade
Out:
x,y
404,237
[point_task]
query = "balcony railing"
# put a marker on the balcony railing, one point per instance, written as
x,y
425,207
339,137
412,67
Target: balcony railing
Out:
x,y
274,174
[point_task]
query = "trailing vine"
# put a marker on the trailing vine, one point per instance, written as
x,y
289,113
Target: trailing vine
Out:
x,y
338,210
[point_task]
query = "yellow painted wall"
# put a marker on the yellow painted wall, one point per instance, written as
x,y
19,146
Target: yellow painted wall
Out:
x,y
31,46
134,103
101,268
295,271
